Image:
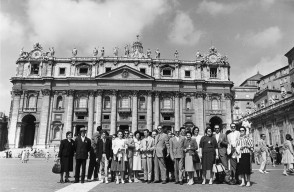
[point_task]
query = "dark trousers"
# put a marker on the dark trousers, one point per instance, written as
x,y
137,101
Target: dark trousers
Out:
x,y
93,167
79,163
235,175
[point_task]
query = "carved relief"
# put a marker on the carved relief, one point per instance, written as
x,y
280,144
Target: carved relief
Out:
x,y
46,92
99,92
70,92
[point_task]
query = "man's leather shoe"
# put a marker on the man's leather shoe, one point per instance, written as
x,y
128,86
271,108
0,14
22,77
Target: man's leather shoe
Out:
x,y
76,181
176,182
66,181
149,182
82,181
163,182
157,181
181,183
61,181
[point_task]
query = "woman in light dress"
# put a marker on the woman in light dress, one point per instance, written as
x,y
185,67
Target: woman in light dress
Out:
x,y
288,155
137,167
23,156
197,166
190,147
119,156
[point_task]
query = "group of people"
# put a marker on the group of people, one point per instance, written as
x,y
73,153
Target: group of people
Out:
x,y
184,155
263,153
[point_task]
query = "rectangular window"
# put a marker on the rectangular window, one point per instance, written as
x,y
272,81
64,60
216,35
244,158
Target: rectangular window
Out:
x,y
81,117
107,69
166,118
58,117
167,104
62,71
213,72
142,117
35,69
166,72
125,102
83,71
187,74
142,70
106,117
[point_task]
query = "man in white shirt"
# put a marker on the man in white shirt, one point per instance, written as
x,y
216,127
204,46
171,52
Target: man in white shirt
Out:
x,y
232,140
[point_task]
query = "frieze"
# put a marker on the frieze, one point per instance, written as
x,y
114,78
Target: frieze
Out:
x,y
46,92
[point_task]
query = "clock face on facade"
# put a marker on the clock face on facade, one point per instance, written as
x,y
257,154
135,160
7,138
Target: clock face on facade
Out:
x,y
212,58
36,54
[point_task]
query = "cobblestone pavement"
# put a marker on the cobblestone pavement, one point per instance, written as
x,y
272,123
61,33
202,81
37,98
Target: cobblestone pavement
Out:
x,y
36,176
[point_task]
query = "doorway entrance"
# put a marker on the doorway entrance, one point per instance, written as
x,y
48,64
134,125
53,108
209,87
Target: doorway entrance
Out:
x,y
215,121
27,133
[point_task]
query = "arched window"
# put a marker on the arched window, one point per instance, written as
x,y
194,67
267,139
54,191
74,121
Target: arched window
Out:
x,y
59,102
83,102
188,103
167,103
56,132
31,102
107,102
142,103
125,102
214,104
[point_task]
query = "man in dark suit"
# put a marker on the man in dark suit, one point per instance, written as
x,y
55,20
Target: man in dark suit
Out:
x,y
82,147
93,164
104,153
222,144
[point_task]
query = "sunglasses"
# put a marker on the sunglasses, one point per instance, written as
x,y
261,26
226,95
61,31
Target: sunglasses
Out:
x,y
126,133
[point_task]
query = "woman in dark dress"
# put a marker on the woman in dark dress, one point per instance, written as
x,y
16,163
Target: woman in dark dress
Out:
x,y
209,152
65,155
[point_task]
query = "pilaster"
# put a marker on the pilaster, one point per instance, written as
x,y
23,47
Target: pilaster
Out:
x,y
113,112
99,108
156,110
177,111
135,112
149,110
91,114
44,117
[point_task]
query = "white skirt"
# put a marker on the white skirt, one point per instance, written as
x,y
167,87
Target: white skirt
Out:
x,y
287,157
137,166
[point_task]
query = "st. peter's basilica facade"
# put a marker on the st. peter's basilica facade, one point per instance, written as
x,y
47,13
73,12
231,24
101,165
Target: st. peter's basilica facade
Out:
x,y
134,91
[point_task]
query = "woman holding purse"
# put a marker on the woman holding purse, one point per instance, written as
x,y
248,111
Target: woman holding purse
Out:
x,y
190,147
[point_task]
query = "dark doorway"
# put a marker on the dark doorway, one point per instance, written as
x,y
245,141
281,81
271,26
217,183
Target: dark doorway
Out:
x,y
27,133
124,127
215,121
78,128
166,128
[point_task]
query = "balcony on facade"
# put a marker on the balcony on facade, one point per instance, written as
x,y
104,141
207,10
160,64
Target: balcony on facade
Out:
x,y
123,110
215,112
58,110
167,111
81,110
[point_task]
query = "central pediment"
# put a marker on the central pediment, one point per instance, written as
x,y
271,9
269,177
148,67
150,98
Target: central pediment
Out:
x,y
125,73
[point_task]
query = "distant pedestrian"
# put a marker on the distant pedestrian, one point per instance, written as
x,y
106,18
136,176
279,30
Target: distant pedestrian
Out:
x,y
273,155
47,156
257,154
288,155
264,154
23,156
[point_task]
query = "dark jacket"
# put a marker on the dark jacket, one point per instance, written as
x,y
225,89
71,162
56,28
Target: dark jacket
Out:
x,y
82,148
66,148
108,148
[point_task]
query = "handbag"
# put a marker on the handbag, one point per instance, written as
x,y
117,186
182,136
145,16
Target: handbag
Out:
x,y
218,167
56,168
196,158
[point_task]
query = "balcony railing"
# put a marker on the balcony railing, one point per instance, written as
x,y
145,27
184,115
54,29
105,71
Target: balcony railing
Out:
x,y
214,112
81,110
167,111
58,109
28,109
124,110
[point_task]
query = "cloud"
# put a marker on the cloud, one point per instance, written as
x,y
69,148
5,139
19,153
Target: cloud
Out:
x,y
183,31
267,3
265,66
216,8
87,24
262,39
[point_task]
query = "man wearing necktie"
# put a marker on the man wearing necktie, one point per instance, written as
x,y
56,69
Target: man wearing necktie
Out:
x,y
161,150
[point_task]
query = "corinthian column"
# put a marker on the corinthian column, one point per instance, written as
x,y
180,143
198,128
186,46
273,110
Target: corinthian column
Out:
x,y
156,118
177,111
69,110
149,111
14,117
44,118
91,114
99,108
135,112
113,113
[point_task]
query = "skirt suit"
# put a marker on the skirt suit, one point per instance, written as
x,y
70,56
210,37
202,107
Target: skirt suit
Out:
x,y
119,155
66,153
191,147
208,145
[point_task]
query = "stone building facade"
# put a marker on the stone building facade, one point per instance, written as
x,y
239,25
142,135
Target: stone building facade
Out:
x,y
273,114
133,91
3,131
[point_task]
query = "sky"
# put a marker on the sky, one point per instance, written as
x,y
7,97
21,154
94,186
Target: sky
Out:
x,y
254,34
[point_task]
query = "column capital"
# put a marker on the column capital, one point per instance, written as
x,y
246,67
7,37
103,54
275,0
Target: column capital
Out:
x,y
70,92
46,92
200,94
99,92
229,96
157,93
177,94
91,93
149,93
59,92
135,93
113,92
17,92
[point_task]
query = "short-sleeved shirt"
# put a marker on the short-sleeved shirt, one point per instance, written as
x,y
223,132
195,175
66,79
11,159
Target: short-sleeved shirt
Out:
x,y
208,144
